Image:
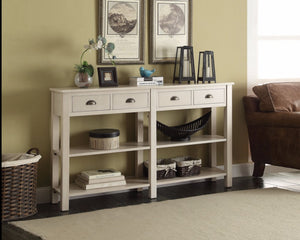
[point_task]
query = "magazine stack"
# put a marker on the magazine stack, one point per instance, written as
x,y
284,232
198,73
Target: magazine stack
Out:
x,y
100,179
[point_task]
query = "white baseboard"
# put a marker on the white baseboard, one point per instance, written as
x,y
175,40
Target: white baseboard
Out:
x,y
238,170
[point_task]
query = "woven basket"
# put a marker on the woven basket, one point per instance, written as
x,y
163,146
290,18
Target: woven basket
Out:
x,y
166,168
19,179
187,166
183,132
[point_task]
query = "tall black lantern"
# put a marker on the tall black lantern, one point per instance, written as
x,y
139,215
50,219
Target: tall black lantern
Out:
x,y
184,69
206,67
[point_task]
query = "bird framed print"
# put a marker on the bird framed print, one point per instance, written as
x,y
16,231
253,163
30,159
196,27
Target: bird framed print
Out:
x,y
170,27
122,22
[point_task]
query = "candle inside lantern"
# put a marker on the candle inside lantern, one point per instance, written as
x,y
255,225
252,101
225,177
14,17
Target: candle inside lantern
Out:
x,y
208,72
186,68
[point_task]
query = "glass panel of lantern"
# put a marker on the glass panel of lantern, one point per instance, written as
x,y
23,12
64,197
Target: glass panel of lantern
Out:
x,y
184,69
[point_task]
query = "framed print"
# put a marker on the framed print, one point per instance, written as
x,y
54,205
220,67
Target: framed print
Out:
x,y
107,76
170,27
122,23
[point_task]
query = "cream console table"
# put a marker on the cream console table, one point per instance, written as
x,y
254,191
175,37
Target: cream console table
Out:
x,y
71,102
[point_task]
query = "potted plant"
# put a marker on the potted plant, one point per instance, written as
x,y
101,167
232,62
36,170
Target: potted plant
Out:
x,y
85,71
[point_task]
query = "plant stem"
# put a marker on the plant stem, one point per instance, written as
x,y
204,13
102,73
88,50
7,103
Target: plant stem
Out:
x,y
82,55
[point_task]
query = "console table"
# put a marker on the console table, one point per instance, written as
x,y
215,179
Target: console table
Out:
x,y
70,102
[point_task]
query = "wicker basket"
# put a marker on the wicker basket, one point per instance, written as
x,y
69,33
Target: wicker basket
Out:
x,y
183,132
187,166
166,168
19,179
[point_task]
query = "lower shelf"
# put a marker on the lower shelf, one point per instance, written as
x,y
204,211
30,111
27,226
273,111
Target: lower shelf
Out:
x,y
132,183
204,174
76,191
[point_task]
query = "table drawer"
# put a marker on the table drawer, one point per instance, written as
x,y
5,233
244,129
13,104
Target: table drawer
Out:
x,y
130,100
209,96
87,103
174,98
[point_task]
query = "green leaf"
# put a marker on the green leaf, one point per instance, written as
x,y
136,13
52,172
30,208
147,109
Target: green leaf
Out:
x,y
89,70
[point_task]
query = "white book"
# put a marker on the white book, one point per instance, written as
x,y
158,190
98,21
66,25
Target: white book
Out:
x,y
99,185
137,79
144,79
102,173
100,180
147,83
158,79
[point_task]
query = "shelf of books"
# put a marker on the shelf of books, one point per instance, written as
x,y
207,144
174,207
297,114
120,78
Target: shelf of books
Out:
x,y
75,190
103,180
78,151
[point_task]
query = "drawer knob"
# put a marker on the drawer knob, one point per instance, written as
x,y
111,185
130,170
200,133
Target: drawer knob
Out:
x,y
174,98
209,96
91,102
130,100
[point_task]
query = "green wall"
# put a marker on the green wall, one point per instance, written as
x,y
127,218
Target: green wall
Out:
x,y
41,42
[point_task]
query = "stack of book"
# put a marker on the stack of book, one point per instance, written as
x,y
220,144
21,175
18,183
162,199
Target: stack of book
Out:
x,y
100,179
143,81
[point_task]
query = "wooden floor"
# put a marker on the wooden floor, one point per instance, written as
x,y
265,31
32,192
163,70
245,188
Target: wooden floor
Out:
x,y
289,181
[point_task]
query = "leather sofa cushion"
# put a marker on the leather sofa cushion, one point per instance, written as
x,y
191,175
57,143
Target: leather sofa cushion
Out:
x,y
278,97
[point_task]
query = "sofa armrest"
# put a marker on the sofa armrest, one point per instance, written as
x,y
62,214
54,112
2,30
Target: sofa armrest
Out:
x,y
274,119
268,119
251,104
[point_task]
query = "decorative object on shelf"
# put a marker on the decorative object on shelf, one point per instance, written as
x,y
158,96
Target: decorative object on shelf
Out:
x,y
184,69
165,168
170,26
107,76
19,182
187,166
85,71
183,132
123,22
104,139
206,67
146,73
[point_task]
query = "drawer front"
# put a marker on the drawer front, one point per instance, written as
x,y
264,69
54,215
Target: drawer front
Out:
x,y
209,96
174,98
89,103
130,100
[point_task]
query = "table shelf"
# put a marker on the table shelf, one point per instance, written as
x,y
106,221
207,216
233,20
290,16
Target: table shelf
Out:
x,y
79,151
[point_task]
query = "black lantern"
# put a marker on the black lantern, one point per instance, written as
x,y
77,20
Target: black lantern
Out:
x,y
206,67
184,69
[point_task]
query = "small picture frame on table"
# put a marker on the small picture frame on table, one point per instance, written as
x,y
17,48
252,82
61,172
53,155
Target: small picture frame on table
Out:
x,y
107,77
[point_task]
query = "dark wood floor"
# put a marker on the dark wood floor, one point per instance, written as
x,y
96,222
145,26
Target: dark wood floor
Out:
x,y
289,181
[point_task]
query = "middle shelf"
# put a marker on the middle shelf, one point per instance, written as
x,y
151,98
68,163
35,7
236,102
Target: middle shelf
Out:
x,y
137,146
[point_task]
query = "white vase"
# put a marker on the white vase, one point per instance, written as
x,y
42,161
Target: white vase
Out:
x,y
83,80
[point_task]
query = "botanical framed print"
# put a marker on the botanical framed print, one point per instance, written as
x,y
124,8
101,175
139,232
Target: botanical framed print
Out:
x,y
107,76
122,23
170,27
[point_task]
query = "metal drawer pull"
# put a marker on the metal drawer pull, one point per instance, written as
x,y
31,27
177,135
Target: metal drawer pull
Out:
x,y
130,100
209,96
91,102
174,98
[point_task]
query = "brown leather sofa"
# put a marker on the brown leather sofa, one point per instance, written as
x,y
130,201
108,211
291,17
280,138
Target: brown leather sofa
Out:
x,y
273,121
